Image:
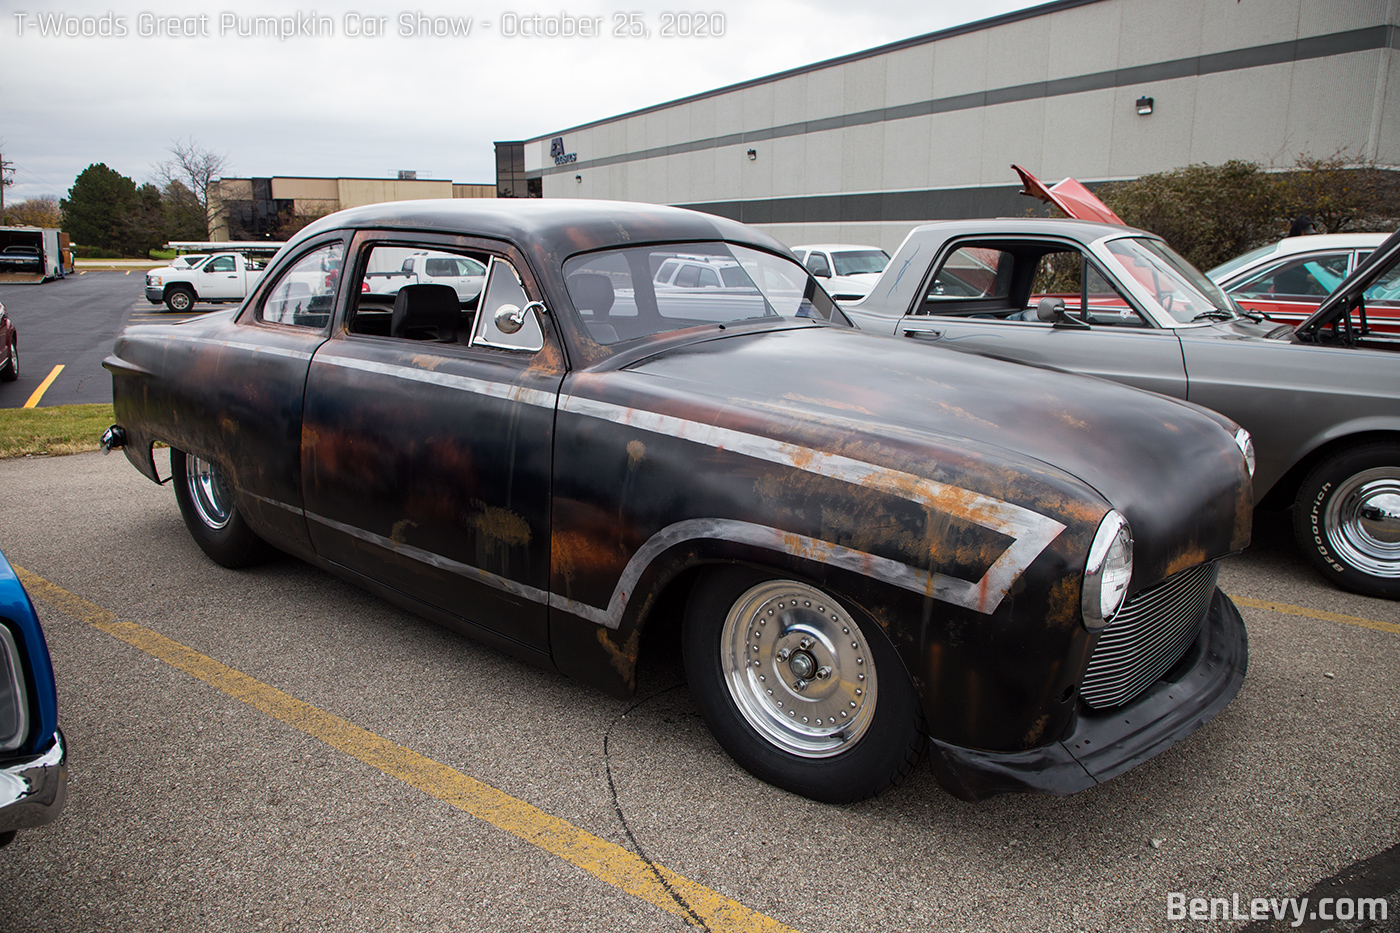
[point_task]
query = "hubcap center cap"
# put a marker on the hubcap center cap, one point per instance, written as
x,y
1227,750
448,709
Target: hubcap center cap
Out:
x,y
802,665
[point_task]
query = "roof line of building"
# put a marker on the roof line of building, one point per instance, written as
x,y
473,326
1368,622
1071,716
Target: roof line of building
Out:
x,y
1355,40
1001,20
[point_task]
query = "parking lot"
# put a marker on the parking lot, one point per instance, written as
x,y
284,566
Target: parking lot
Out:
x,y
274,749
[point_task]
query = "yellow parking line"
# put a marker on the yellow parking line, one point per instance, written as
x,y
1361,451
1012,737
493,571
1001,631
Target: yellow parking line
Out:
x,y
627,871
43,387
1316,614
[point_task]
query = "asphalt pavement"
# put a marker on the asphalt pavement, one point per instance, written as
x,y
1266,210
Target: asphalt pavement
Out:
x,y
273,749
72,322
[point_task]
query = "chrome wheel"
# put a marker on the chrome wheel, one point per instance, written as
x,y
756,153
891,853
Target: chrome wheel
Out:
x,y
799,668
208,493
179,300
1362,521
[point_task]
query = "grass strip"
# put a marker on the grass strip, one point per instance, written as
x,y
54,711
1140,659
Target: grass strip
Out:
x,y
60,429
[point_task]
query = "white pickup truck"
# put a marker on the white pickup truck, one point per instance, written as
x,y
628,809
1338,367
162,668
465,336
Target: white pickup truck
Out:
x,y
220,278
391,268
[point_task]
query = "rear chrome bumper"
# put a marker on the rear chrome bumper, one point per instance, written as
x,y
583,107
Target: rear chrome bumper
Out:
x,y
34,790
1105,744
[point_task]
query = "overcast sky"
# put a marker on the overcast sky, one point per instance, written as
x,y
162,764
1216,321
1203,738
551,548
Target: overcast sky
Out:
x,y
336,104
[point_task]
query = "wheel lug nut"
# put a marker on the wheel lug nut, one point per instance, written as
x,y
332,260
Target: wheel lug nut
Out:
x,y
823,673
783,654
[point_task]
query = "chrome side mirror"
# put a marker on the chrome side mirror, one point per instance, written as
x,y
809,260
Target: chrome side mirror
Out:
x,y
510,318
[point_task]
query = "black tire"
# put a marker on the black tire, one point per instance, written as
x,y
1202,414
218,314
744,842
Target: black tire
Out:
x,y
206,502
9,367
179,298
1347,519
760,710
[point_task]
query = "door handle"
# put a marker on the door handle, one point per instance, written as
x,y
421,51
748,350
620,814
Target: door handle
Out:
x,y
923,334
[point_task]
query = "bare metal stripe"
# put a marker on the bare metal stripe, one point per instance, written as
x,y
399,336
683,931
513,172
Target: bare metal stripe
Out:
x,y
938,586
241,345
1031,532
501,390
495,581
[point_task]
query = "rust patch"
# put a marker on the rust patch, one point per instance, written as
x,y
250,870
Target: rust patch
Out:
x,y
1191,557
622,657
430,363
636,450
966,415
229,425
1070,420
828,403
1063,602
399,533
501,526
1036,731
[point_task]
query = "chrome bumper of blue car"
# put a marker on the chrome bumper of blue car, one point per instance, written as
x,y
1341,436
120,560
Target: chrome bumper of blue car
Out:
x,y
34,790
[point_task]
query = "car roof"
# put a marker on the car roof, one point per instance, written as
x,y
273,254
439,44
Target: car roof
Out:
x,y
831,247
1084,231
556,227
1339,302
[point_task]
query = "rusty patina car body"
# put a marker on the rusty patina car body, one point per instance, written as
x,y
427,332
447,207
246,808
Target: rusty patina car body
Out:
x,y
580,454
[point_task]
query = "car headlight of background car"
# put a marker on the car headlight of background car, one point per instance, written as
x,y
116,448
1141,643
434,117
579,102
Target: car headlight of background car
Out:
x,y
14,705
1246,445
152,280
1107,571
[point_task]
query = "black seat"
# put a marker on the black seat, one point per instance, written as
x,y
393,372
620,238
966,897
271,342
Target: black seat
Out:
x,y
425,312
593,292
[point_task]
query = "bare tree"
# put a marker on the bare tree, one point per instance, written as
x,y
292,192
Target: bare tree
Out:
x,y
193,166
7,178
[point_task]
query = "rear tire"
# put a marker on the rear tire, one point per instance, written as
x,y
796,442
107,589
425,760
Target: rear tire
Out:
x,y
179,299
801,690
9,372
1347,519
206,501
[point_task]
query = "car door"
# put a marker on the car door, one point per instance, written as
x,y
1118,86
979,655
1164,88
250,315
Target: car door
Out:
x,y
220,278
427,449
978,300
1291,289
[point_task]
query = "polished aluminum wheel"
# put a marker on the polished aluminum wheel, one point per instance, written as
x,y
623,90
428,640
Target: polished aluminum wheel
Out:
x,y
799,668
1362,522
208,492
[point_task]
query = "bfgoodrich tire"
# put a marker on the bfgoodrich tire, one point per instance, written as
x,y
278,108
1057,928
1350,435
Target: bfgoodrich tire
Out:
x,y
801,690
1347,519
206,502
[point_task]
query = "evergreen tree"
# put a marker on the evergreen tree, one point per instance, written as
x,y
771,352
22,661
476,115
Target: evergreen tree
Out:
x,y
95,211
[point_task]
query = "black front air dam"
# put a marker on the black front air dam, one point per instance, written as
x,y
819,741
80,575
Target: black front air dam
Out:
x,y
1104,745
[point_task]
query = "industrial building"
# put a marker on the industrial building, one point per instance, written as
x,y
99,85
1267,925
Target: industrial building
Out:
x,y
268,208
856,149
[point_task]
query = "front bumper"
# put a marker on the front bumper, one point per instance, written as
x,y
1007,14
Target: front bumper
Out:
x,y
155,294
1103,745
34,790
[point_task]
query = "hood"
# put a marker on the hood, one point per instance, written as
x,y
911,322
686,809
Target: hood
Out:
x,y
1002,429
1349,294
1075,200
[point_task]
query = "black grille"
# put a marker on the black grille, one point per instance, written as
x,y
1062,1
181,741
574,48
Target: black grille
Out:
x,y
1149,635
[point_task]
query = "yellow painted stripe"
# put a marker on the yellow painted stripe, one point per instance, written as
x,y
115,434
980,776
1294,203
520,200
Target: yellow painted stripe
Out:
x,y
1316,614
43,386
606,861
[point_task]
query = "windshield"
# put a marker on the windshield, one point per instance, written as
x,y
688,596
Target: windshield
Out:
x,y
1221,272
1175,285
857,261
623,294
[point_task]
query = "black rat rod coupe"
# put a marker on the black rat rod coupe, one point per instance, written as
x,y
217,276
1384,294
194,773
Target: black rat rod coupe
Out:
x,y
871,547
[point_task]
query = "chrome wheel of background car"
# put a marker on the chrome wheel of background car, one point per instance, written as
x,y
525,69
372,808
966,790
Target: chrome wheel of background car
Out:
x,y
1363,521
799,668
208,492
799,687
1347,519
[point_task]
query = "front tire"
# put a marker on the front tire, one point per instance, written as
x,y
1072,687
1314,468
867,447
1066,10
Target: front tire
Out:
x,y
10,370
179,299
801,690
1347,519
206,501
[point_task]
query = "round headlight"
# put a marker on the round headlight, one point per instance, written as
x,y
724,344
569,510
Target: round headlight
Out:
x,y
1246,445
1107,571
